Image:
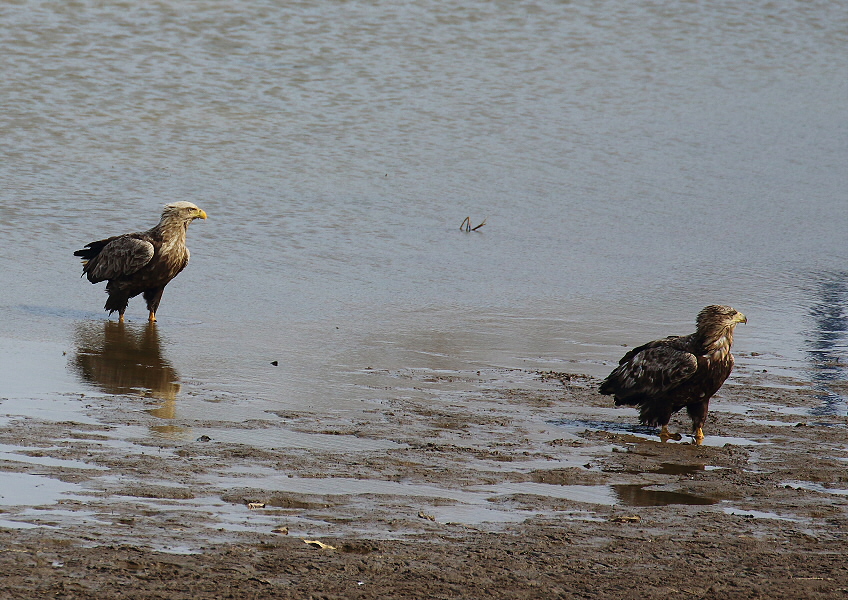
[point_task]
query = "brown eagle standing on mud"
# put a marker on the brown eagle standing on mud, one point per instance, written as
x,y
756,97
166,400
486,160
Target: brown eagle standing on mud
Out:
x,y
141,263
667,375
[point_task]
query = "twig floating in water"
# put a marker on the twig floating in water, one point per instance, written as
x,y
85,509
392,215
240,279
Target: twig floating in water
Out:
x,y
466,225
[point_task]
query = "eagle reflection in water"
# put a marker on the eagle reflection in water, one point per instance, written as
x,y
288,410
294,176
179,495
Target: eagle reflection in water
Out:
x,y
126,359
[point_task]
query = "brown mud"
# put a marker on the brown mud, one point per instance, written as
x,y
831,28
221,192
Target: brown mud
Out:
x,y
498,484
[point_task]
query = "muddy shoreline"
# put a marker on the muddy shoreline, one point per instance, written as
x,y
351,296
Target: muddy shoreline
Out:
x,y
499,484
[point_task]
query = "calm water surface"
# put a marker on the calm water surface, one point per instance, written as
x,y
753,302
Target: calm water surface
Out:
x,y
634,161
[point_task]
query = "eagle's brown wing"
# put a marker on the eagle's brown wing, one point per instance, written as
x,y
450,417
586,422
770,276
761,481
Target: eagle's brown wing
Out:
x,y
651,369
120,256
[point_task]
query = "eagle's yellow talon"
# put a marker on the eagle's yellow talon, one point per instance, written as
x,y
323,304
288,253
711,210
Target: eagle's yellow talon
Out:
x,y
666,435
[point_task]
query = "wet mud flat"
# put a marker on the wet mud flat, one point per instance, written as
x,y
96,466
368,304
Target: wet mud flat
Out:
x,y
493,484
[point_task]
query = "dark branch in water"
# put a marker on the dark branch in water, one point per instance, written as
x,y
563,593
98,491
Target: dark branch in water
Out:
x,y
466,225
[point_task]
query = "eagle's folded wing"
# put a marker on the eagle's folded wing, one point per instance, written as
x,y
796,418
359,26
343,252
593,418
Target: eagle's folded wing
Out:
x,y
121,256
650,369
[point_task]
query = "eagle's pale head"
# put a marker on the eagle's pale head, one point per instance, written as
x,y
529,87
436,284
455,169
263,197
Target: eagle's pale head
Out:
x,y
717,319
182,211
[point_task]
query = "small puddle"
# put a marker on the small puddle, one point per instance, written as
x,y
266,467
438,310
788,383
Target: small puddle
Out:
x,y
9,524
773,423
639,495
176,549
607,495
815,487
54,517
598,425
285,438
761,407
680,470
717,441
32,490
676,469
474,515
13,454
590,494
758,514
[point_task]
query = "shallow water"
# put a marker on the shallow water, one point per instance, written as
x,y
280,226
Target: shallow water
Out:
x,y
633,161
758,514
22,488
576,426
816,487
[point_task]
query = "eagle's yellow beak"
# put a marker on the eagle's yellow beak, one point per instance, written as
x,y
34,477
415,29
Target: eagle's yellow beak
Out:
x,y
740,318
201,214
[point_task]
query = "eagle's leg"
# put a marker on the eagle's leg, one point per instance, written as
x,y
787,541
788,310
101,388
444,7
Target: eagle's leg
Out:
x,y
116,302
153,297
698,414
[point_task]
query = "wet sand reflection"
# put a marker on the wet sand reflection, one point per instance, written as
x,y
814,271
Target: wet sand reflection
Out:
x,y
127,359
637,495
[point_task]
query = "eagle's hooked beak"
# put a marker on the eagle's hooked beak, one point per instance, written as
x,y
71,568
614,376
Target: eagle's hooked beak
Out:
x,y
201,214
740,318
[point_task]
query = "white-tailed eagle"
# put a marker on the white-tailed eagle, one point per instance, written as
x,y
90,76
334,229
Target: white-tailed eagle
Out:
x,y
664,376
141,263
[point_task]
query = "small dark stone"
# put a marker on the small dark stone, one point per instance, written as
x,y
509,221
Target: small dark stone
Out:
x,y
204,438
275,363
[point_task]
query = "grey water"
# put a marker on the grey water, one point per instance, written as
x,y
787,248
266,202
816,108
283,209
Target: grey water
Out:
x,y
633,162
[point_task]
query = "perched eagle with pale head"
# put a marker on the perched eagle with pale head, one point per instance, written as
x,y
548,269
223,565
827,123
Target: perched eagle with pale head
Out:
x,y
141,263
664,376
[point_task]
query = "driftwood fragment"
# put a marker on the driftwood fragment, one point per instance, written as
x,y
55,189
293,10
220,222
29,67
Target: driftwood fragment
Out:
x,y
466,225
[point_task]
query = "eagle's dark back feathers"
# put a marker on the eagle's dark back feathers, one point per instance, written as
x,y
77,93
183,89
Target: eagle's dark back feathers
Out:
x,y
118,256
653,368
